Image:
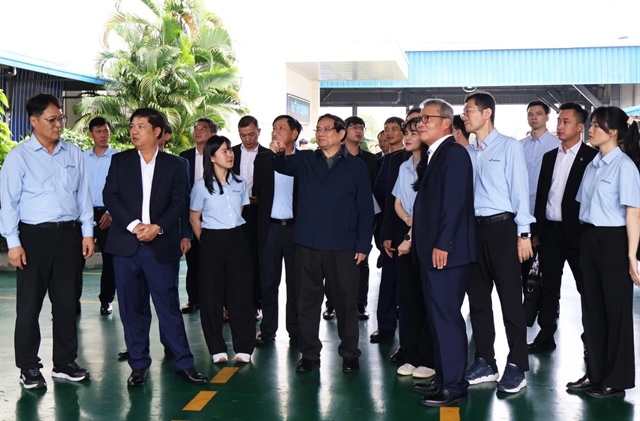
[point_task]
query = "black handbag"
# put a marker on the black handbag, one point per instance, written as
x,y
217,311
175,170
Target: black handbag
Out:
x,y
532,292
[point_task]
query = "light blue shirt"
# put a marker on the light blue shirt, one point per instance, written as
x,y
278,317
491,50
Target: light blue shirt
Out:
x,y
220,211
37,187
403,189
282,207
97,169
534,149
500,181
609,185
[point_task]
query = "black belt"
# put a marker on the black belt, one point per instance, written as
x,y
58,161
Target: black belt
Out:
x,y
282,221
99,209
60,224
498,217
555,224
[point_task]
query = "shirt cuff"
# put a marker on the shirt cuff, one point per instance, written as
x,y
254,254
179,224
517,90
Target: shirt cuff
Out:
x,y
132,225
87,230
13,241
524,228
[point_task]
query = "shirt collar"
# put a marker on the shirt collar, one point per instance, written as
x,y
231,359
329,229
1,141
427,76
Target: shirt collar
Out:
x,y
434,147
487,141
573,150
35,144
155,155
608,158
242,148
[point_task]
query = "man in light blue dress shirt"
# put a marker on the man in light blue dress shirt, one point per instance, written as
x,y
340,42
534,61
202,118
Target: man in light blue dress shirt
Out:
x,y
97,160
503,216
46,202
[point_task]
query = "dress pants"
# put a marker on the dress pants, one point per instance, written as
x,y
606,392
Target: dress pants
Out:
x,y
193,258
279,246
339,271
498,263
138,277
107,277
387,311
444,291
250,215
554,252
608,307
226,272
363,287
54,264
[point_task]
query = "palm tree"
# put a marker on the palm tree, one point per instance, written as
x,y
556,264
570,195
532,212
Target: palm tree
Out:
x,y
180,62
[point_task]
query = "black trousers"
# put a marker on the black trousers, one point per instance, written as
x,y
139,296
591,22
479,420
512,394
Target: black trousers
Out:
x,y
554,251
250,215
607,307
226,272
193,258
279,246
363,286
107,278
339,271
498,264
54,264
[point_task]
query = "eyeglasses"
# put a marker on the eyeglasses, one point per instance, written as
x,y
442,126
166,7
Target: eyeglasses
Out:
x,y
324,129
425,118
356,126
53,120
468,110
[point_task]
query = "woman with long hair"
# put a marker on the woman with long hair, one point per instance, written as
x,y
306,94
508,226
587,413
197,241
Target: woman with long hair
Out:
x,y
609,197
225,264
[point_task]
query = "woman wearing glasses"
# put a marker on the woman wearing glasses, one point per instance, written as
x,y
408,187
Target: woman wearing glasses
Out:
x,y
225,262
609,197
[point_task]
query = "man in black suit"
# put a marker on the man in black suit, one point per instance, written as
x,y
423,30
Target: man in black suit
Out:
x,y
243,157
203,130
556,211
145,194
276,196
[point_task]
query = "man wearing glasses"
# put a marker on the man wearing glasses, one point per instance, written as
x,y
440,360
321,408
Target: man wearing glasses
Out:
x,y
46,202
503,217
333,229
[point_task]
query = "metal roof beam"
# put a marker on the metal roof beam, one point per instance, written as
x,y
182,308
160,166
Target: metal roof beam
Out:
x,y
586,93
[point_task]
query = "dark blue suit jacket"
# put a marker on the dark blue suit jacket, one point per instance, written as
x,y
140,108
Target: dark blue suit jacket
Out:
x,y
122,195
443,213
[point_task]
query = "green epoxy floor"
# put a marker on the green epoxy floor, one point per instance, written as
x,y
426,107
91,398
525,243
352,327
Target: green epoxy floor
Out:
x,y
270,389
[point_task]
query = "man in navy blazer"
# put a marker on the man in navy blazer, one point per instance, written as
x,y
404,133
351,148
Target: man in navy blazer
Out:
x,y
145,194
444,242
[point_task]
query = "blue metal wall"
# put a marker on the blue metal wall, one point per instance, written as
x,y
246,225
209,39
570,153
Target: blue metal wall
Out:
x,y
560,66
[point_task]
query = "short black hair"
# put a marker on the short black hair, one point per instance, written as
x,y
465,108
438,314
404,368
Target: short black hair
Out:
x,y
248,120
213,127
292,122
353,120
167,128
414,110
98,122
536,103
458,124
154,117
483,101
338,123
580,113
396,120
37,104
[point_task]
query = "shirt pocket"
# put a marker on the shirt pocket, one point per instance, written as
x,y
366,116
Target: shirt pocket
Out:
x,y
70,176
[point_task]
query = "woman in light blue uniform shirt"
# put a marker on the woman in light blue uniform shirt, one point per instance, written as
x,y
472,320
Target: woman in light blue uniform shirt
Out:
x,y
225,264
609,197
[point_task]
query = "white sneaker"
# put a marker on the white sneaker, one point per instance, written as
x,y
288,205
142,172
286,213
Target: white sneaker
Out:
x,y
221,357
406,369
241,357
423,372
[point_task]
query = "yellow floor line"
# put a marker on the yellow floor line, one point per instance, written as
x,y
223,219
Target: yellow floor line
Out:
x,y
224,375
199,401
450,414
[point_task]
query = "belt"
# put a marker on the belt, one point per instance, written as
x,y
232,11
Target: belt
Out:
x,y
498,217
283,222
59,224
555,224
99,208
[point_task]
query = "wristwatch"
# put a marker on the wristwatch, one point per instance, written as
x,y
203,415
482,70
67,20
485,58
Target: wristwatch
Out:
x,y
525,235
161,231
407,237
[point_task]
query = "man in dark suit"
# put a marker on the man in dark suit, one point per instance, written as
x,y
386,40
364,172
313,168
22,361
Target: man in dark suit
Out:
x,y
243,157
203,130
276,197
556,211
145,194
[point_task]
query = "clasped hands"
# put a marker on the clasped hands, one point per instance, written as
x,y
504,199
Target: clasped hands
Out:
x,y
146,232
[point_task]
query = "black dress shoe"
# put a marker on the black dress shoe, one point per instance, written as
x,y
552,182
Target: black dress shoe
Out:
x,y
536,347
106,309
583,383
349,365
123,355
442,398
381,335
263,339
604,392
305,365
189,308
363,314
191,375
138,377
400,354
426,388
329,313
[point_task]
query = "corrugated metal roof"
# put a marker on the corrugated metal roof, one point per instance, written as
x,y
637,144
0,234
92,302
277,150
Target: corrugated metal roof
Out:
x,y
596,65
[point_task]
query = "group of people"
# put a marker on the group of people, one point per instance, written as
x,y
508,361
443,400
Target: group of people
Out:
x,y
452,218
